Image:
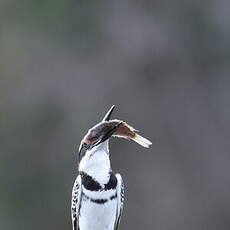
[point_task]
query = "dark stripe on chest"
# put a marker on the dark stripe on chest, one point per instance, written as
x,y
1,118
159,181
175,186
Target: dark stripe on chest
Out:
x,y
91,184
99,201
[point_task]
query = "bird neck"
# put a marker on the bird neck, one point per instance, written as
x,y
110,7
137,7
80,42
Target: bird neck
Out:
x,y
96,163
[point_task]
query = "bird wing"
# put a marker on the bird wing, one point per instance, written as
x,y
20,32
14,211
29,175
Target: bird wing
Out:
x,y
75,202
120,200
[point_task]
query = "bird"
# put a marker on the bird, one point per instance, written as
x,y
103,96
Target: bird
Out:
x,y
98,193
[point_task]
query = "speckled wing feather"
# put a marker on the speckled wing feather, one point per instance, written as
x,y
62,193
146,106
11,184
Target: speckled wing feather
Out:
x,y
75,202
120,200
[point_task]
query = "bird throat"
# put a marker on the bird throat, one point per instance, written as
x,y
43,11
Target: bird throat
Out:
x,y
97,165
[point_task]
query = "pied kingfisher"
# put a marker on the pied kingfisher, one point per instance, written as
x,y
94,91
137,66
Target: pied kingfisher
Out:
x,y
98,194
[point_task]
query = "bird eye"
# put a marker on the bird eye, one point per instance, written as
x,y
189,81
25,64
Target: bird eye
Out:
x,y
91,136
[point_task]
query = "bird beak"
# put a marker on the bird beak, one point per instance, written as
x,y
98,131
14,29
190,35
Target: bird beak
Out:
x,y
108,131
108,114
82,149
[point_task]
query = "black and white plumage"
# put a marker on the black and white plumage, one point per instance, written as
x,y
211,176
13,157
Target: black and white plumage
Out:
x,y
75,203
98,194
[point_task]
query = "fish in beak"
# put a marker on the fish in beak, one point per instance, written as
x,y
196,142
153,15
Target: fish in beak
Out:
x,y
126,131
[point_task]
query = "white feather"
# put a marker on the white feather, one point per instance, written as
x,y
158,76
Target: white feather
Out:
x,y
96,163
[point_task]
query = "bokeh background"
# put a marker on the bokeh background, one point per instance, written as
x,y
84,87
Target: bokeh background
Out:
x,y
164,64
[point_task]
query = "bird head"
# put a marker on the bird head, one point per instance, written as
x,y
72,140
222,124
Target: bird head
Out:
x,y
98,134
102,131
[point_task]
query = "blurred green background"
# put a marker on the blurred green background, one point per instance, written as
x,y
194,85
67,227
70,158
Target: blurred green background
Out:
x,y
164,64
